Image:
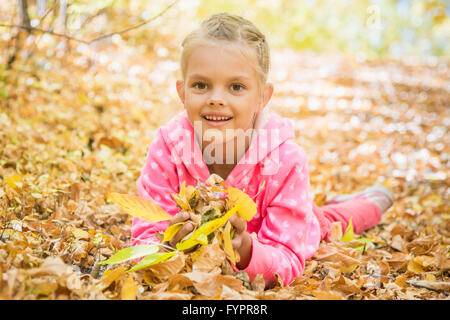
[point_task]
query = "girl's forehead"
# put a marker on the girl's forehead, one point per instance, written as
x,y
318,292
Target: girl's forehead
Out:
x,y
222,58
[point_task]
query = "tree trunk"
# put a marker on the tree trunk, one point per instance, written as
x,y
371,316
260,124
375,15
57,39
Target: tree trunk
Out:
x,y
23,13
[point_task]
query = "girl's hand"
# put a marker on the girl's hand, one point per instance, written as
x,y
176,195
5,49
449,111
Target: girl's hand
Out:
x,y
241,241
186,229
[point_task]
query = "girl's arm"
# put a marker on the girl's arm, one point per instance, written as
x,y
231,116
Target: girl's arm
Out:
x,y
289,233
156,182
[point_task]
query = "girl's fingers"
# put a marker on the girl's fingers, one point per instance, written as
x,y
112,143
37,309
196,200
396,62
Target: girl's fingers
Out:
x,y
187,228
236,242
179,217
238,223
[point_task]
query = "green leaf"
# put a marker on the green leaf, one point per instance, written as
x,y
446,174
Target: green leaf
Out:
x,y
348,235
3,93
360,249
131,253
152,259
366,243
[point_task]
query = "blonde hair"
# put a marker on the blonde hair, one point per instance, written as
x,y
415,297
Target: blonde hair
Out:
x,y
229,27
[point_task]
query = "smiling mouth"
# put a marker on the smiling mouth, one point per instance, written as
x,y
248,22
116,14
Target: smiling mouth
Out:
x,y
216,118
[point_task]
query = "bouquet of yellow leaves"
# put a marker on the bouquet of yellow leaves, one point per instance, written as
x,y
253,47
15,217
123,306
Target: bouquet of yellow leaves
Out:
x,y
210,206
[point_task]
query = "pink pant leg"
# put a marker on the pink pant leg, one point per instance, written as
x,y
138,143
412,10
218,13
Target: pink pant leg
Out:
x,y
364,213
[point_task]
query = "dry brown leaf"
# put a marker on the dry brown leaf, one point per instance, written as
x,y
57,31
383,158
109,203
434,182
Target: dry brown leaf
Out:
x,y
424,245
414,267
398,262
44,285
52,266
326,295
401,281
229,294
168,296
336,231
109,277
259,283
163,270
345,286
208,258
343,259
210,284
397,243
129,289
178,282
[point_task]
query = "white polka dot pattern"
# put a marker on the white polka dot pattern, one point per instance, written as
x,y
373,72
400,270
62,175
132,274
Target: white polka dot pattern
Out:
x,y
285,224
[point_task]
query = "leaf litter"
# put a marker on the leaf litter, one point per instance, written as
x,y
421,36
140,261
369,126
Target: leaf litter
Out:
x,y
59,167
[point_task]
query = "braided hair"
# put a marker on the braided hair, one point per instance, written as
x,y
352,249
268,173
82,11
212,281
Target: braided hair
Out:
x,y
229,27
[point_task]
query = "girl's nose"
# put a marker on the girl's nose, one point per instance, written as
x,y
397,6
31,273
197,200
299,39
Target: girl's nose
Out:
x,y
215,102
216,98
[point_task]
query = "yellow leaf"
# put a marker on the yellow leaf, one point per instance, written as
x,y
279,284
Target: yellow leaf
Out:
x,y
181,202
80,233
414,267
186,244
401,282
172,230
425,261
181,199
15,181
129,289
183,190
110,276
189,243
152,259
349,268
247,205
433,199
139,207
325,295
205,229
430,277
202,239
211,226
227,246
348,235
191,192
320,199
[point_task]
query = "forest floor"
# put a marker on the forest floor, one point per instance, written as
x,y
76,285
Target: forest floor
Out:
x,y
71,131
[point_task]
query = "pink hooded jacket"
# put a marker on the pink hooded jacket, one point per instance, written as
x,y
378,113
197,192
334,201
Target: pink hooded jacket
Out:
x,y
285,232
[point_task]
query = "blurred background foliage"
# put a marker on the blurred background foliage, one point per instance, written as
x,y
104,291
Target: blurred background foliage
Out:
x,y
367,29
44,43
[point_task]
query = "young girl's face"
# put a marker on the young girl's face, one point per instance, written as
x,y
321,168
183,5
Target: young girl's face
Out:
x,y
222,90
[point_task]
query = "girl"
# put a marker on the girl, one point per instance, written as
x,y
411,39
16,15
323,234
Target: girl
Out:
x,y
226,129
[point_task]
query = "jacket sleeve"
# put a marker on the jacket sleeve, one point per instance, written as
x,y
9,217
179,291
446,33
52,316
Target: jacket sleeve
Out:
x,y
289,232
156,182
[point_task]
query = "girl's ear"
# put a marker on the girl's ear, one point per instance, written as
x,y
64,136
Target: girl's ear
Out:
x,y
180,90
267,94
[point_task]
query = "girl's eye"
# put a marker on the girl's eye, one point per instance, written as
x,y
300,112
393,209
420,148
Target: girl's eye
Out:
x,y
236,87
199,85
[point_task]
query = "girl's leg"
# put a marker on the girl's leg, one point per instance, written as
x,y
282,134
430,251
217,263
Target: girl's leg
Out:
x,y
365,208
364,213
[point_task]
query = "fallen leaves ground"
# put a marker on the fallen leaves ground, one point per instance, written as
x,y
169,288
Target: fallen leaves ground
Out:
x,y
70,136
